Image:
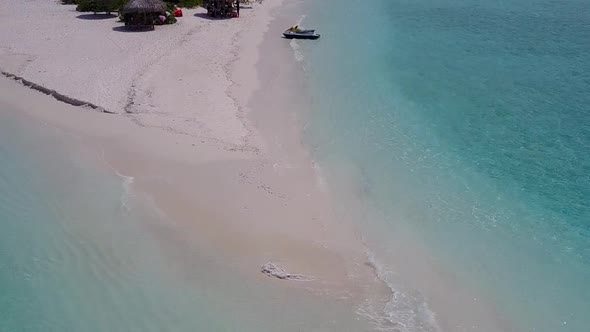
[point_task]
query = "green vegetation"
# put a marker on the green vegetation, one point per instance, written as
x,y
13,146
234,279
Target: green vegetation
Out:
x,y
95,5
170,19
113,5
188,3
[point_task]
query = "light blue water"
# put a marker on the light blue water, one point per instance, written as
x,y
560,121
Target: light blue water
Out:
x,y
467,123
80,250
72,256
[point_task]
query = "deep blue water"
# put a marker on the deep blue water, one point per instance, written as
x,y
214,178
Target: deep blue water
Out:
x,y
467,122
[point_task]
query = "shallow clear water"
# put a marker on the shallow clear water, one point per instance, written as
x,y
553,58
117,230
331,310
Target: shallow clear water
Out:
x,y
73,255
81,250
465,123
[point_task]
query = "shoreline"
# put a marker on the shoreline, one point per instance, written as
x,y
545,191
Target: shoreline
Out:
x,y
213,136
193,178
411,272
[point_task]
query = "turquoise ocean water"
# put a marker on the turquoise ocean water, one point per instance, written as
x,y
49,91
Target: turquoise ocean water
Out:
x,y
466,124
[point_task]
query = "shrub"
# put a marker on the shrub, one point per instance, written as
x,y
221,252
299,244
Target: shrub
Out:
x,y
98,5
187,3
170,18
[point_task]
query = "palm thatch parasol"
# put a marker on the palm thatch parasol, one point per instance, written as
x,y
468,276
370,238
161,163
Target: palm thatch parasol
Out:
x,y
144,6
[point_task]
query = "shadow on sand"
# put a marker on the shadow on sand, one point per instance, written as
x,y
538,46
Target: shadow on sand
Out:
x,y
123,28
96,16
211,18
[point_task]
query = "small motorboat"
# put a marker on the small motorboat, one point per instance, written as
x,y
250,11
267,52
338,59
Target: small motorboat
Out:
x,y
297,33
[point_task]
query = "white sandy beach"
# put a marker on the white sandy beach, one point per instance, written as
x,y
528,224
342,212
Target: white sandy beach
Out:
x,y
175,76
185,130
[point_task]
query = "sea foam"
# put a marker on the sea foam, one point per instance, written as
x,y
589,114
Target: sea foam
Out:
x,y
406,310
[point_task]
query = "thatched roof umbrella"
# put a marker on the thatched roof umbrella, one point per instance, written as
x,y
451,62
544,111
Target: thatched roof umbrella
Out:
x,y
144,6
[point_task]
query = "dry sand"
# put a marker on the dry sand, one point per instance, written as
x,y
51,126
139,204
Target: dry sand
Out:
x,y
236,178
175,77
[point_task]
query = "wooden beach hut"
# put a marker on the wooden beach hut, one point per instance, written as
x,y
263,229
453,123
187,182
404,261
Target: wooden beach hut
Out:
x,y
142,13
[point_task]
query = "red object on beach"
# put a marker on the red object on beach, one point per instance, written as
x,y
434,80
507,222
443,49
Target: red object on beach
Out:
x,y
178,12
